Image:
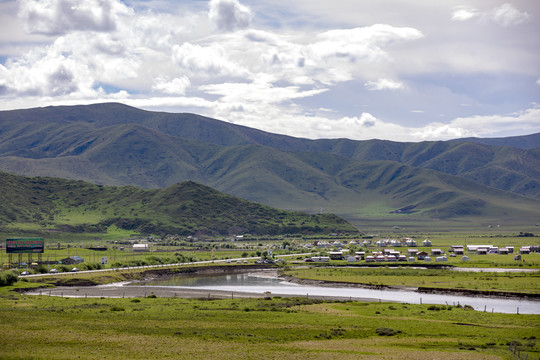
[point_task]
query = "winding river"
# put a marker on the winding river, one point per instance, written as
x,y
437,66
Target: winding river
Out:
x,y
261,282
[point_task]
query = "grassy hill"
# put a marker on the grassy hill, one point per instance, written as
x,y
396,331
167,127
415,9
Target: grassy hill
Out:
x,y
113,144
186,208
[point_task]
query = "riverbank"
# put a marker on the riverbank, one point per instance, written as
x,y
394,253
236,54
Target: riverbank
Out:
x,y
134,291
506,285
135,286
421,290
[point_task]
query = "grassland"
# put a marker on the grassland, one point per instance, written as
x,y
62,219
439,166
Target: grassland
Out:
x,y
523,283
160,328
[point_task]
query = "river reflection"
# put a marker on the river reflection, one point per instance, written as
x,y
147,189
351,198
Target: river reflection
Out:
x,y
260,283
236,280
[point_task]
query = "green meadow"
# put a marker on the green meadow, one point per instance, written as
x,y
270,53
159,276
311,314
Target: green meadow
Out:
x,y
41,327
516,282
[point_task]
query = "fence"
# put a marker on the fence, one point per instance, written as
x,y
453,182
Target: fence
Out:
x,y
514,349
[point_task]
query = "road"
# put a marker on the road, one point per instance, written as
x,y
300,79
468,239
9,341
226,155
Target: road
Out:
x,y
236,260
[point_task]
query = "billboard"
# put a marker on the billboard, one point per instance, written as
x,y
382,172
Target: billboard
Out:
x,y
25,245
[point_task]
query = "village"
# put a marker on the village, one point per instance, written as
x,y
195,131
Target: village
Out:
x,y
384,251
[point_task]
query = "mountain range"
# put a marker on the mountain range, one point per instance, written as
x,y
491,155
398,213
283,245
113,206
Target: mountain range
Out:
x,y
114,144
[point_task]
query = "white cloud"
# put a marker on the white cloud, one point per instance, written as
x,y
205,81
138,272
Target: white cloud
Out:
x,y
365,43
383,84
301,68
494,125
229,15
367,126
258,91
53,17
507,15
176,86
463,13
169,102
206,61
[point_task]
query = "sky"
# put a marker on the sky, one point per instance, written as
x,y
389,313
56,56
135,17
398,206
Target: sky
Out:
x,y
401,70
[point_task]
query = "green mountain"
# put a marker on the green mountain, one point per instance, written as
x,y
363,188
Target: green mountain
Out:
x,y
186,208
113,144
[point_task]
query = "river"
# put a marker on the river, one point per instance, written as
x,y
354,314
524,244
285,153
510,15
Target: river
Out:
x,y
261,282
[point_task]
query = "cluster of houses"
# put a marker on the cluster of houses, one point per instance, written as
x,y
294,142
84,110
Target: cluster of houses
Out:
x,y
386,254
405,242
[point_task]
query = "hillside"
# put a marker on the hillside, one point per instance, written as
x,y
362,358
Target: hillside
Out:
x,y
186,208
113,144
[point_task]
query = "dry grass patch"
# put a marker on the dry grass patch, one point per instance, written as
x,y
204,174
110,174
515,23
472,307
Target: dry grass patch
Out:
x,y
395,348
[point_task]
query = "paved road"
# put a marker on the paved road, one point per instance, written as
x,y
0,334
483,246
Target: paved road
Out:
x,y
221,261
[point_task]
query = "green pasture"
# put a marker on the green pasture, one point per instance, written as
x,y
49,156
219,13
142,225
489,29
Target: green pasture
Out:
x,y
518,282
44,327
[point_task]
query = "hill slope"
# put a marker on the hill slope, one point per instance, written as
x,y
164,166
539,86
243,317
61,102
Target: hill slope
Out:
x,y
186,208
115,144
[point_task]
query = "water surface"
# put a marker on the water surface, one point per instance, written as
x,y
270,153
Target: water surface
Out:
x,y
260,283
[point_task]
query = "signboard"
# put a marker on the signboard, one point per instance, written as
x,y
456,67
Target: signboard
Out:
x,y
104,260
25,245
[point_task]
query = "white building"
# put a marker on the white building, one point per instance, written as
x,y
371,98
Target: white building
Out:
x,y
141,247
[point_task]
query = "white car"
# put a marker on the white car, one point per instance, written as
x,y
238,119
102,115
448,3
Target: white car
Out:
x,y
74,270
53,271
24,273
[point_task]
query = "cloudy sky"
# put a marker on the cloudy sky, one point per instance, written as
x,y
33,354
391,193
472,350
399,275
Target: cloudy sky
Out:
x,y
404,70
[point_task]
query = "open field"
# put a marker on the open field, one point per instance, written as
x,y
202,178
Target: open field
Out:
x,y
286,328
523,283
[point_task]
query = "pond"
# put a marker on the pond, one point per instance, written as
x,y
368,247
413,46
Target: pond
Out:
x,y
261,282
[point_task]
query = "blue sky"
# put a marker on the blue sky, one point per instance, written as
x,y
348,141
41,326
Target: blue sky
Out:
x,y
403,70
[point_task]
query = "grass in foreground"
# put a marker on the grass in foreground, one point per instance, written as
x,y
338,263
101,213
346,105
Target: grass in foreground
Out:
x,y
296,328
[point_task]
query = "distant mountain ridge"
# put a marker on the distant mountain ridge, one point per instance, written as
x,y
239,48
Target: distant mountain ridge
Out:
x,y
521,142
115,144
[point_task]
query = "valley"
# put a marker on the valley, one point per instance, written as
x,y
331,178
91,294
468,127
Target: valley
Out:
x,y
472,181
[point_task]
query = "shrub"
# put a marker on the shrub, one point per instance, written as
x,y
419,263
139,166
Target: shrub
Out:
x,y
384,331
63,268
8,278
117,308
